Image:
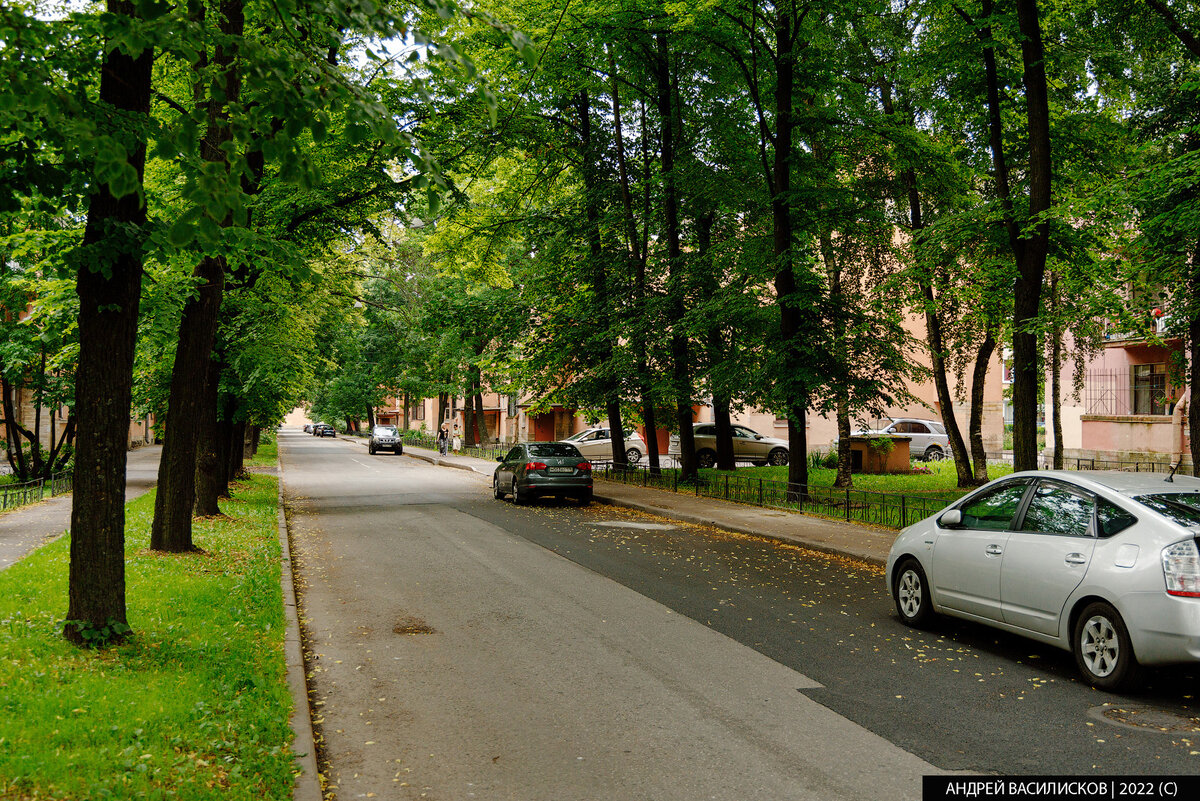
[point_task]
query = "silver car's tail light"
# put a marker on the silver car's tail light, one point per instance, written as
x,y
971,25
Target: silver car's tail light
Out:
x,y
1181,568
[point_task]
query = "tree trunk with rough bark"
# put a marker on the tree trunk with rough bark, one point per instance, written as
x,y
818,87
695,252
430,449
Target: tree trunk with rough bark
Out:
x,y
108,317
975,425
681,382
208,466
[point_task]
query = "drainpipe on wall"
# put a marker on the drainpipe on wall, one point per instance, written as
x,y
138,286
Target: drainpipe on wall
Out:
x,y
1180,418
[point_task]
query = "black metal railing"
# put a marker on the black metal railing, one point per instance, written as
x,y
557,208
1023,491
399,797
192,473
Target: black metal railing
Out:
x,y
878,508
14,495
423,440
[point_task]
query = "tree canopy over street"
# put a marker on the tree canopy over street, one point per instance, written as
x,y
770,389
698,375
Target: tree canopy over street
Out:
x,y
219,210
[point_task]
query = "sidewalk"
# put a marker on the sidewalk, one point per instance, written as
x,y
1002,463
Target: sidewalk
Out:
x,y
866,543
24,529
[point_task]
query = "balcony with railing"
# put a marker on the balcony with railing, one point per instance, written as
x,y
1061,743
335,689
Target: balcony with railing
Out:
x,y
1131,410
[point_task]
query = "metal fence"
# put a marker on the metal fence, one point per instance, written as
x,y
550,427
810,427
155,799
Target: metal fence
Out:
x,y
890,510
14,495
422,440
864,506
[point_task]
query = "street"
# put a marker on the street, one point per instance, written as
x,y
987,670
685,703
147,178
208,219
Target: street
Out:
x,y
464,647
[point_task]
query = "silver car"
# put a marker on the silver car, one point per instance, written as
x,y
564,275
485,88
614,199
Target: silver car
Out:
x,y
1103,564
748,446
929,440
596,443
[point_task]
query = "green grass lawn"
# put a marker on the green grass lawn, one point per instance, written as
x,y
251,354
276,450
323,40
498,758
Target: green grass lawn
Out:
x,y
941,480
194,705
267,456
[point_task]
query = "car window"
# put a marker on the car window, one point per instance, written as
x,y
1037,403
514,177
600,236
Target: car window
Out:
x,y
1181,508
545,449
1112,518
602,435
1058,509
577,436
704,431
385,431
514,454
744,432
918,428
995,510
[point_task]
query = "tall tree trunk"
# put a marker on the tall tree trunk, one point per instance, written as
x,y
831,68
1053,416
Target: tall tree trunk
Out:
x,y
224,446
681,382
443,401
109,286
837,313
1031,257
975,426
172,527
13,436
237,454
480,419
208,467
406,411
171,530
787,289
1193,410
845,461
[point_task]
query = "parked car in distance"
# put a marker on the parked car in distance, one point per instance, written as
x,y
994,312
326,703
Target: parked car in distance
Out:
x,y
748,446
1104,564
533,469
928,438
324,430
308,428
596,443
385,438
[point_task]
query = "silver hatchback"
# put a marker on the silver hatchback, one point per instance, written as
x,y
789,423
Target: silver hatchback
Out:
x,y
1103,564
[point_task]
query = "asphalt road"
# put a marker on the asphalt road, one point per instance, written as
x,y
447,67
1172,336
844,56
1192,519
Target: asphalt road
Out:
x,y
602,653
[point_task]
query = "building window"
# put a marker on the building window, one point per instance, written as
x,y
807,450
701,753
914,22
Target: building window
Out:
x,y
1150,389
416,410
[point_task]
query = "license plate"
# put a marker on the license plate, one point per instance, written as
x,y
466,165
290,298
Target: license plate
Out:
x,y
560,470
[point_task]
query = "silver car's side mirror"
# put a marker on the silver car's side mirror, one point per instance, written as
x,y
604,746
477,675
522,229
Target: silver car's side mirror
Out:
x,y
951,519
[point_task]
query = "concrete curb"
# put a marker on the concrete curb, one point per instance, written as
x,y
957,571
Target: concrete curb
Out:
x,y
308,783
701,520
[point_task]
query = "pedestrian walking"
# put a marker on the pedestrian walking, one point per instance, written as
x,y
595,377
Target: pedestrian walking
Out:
x,y
457,439
443,438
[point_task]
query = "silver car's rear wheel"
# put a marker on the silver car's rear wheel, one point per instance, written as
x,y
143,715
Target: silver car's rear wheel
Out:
x,y
934,454
1102,648
778,457
633,456
911,593
706,458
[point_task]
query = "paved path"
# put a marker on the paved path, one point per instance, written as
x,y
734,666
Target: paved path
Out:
x,y
22,530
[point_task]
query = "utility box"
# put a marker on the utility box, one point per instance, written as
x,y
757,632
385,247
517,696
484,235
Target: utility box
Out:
x,y
880,454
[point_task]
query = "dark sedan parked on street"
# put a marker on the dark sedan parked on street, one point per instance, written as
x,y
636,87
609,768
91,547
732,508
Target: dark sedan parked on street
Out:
x,y
532,469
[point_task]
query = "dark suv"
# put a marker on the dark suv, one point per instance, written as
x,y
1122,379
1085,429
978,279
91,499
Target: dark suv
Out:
x,y
385,438
324,430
